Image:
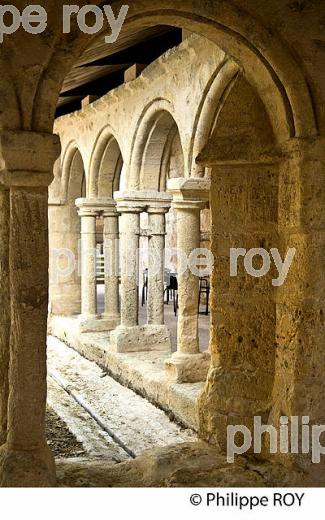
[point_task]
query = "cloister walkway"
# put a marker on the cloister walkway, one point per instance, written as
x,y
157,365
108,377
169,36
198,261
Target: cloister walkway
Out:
x,y
109,420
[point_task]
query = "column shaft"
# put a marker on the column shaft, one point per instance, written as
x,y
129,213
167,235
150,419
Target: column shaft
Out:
x,y
25,459
111,235
88,263
129,336
157,230
188,364
130,234
188,239
29,302
5,311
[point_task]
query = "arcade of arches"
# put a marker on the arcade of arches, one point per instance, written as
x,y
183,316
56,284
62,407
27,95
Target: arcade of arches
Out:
x,y
216,144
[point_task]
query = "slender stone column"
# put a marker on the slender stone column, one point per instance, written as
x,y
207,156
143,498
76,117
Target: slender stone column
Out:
x,y
4,311
90,320
157,233
130,236
188,364
111,236
28,158
188,240
88,216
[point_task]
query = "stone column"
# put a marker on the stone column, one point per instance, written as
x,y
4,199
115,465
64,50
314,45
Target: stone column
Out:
x,y
188,240
88,216
188,364
5,310
111,237
129,337
28,158
130,233
157,233
90,320
124,337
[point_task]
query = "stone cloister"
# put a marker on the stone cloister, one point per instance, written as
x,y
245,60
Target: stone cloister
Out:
x,y
228,125
155,147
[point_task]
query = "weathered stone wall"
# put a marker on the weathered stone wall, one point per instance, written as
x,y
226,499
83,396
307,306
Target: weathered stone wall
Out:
x,y
123,110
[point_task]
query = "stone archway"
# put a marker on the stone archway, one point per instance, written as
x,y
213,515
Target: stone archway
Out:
x,y
213,98
157,154
271,70
268,64
98,215
105,166
157,130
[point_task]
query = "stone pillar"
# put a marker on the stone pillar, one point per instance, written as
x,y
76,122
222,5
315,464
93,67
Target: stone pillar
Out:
x,y
28,159
268,351
88,216
5,310
111,237
129,337
157,233
90,320
299,381
130,233
188,240
188,364
245,212
124,337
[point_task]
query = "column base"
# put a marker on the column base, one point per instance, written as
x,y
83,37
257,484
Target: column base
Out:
x,y
26,468
188,368
98,323
141,339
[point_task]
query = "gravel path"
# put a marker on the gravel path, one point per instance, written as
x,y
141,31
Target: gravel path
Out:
x,y
60,439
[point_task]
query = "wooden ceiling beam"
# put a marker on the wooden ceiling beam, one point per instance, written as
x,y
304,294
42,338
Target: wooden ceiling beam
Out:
x,y
144,52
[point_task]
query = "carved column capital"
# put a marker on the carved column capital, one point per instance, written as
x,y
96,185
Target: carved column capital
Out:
x,y
190,191
27,158
86,208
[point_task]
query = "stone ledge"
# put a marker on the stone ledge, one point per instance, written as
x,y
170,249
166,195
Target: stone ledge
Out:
x,y
188,368
141,339
99,324
188,465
